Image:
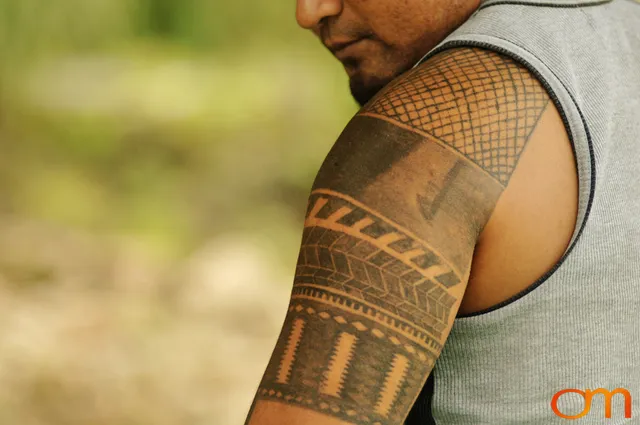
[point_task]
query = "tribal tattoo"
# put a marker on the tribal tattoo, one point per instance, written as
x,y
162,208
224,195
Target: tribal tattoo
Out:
x,y
390,230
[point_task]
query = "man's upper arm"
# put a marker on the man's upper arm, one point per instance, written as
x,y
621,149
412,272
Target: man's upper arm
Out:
x,y
391,225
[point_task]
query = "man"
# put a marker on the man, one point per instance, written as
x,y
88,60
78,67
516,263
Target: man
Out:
x,y
471,243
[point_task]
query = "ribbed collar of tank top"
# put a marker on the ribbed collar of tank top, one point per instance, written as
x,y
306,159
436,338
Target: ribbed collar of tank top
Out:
x,y
546,3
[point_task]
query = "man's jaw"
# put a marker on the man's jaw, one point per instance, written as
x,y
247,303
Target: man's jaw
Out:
x,y
369,62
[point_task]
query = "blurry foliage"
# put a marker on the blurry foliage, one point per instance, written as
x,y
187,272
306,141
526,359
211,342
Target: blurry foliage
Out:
x,y
173,121
156,157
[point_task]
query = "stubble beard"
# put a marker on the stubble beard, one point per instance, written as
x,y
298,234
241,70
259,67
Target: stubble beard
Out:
x,y
365,87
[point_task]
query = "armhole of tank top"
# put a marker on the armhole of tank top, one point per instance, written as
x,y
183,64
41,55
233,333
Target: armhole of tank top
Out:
x,y
577,130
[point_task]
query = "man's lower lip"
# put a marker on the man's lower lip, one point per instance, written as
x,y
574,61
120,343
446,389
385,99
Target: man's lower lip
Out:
x,y
346,50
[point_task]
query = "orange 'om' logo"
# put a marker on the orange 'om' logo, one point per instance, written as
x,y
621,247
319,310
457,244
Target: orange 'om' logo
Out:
x,y
587,395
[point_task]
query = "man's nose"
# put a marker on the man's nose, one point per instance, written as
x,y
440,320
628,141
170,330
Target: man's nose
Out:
x,y
309,13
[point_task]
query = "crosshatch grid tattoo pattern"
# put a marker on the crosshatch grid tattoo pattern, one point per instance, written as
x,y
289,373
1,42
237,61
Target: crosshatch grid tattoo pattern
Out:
x,y
482,104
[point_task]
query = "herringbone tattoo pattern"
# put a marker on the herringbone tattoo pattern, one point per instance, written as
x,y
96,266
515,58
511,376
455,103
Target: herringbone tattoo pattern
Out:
x,y
482,104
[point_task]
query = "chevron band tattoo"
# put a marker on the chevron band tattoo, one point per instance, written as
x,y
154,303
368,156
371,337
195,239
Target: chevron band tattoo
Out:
x,y
349,248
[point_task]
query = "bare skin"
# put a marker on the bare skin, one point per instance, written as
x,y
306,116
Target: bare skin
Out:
x,y
453,189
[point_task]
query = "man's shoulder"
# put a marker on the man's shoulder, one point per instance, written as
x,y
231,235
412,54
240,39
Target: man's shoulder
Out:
x,y
474,100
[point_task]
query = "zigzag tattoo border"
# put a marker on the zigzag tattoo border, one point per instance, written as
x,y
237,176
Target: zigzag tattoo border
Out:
x,y
420,337
391,242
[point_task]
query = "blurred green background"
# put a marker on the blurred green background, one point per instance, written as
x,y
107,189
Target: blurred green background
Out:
x,y
156,160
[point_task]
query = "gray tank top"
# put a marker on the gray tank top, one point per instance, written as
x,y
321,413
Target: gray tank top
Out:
x,y
578,327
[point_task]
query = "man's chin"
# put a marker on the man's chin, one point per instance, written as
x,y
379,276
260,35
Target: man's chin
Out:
x,y
364,90
368,74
